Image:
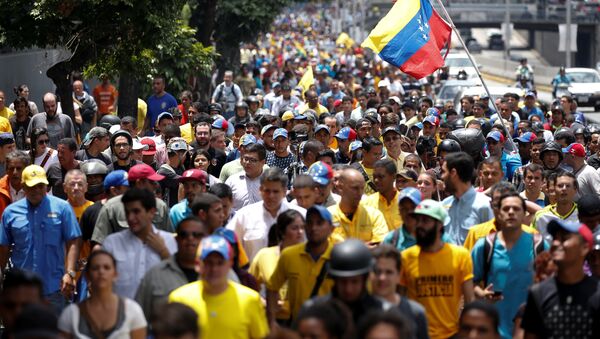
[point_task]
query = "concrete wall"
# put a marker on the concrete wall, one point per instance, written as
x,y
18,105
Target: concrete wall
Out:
x,y
546,43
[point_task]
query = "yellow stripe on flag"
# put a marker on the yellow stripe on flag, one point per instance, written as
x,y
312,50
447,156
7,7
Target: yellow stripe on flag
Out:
x,y
307,79
401,13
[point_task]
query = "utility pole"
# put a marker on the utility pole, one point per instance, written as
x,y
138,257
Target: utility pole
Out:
x,y
568,36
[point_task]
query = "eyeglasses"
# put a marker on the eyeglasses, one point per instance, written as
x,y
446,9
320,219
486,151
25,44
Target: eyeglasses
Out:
x,y
125,145
184,234
250,160
43,142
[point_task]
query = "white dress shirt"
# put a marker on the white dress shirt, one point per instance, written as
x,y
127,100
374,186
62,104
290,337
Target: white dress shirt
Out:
x,y
134,258
251,224
245,191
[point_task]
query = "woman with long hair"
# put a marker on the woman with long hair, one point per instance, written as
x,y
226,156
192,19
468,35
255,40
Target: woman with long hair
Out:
x,y
427,184
287,231
201,159
39,150
104,315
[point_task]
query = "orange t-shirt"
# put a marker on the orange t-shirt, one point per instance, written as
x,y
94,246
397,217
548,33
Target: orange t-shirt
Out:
x,y
105,98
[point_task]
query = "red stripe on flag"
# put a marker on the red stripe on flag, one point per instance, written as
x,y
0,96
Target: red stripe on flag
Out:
x,y
428,58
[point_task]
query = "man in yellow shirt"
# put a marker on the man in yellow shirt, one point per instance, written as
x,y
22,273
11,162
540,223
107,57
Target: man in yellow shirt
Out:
x,y
372,149
225,309
5,112
352,217
481,230
437,274
312,102
386,198
302,266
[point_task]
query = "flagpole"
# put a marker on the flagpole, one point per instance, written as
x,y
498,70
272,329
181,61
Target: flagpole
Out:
x,y
512,144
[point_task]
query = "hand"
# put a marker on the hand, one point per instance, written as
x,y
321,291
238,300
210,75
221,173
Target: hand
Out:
x,y
67,286
78,119
157,243
489,294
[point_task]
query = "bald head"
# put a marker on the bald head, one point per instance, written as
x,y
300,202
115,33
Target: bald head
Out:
x,y
50,104
352,185
78,88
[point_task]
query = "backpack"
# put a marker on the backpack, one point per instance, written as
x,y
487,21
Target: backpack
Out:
x,y
359,167
220,93
488,252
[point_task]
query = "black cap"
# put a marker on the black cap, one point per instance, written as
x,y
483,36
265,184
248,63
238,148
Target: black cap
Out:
x,y
394,129
286,87
409,104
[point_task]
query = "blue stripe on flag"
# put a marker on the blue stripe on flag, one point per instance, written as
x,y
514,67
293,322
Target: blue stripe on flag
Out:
x,y
410,39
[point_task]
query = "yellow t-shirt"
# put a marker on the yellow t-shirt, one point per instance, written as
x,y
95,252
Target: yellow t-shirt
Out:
x,y
186,132
262,268
141,112
367,224
5,125
319,110
479,231
435,281
234,314
86,247
300,271
6,112
369,171
390,210
80,209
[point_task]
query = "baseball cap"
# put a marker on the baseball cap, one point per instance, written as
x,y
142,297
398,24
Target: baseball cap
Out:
x,y
575,149
266,128
287,115
409,104
116,178
433,111
215,243
356,144
114,129
96,132
193,174
526,137
300,116
248,139
383,83
138,146
321,127
337,103
220,123
321,211
530,94
411,193
143,171
395,100
433,209
431,119
276,84
33,175
588,205
177,144
7,138
346,133
164,115
321,173
408,174
418,125
495,135
280,132
571,227
394,129
151,144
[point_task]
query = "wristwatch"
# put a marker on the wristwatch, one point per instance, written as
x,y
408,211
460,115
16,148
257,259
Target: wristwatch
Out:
x,y
72,274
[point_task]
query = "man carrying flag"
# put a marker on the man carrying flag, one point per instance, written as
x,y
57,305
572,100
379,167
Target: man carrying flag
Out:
x,y
411,37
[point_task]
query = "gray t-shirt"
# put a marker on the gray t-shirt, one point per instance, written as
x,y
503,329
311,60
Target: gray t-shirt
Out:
x,y
59,127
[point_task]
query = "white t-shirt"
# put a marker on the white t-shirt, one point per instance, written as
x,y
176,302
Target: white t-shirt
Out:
x,y
51,160
133,320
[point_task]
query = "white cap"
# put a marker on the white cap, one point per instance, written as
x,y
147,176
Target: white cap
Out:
x,y
383,83
114,128
139,146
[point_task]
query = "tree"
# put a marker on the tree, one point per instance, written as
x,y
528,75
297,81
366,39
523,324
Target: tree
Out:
x,y
120,37
231,23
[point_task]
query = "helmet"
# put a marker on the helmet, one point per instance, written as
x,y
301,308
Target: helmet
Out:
x,y
459,123
121,133
471,141
252,99
486,127
565,133
449,146
349,259
215,107
551,146
537,127
596,241
241,105
593,128
94,167
109,120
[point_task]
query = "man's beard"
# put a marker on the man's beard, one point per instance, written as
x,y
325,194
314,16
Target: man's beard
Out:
x,y
427,239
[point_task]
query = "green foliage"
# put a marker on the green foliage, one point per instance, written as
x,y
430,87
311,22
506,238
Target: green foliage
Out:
x,y
142,37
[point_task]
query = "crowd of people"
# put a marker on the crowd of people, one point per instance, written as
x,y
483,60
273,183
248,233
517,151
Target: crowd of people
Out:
x,y
357,206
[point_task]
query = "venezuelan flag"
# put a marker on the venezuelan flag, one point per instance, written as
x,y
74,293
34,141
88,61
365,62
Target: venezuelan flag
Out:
x,y
411,37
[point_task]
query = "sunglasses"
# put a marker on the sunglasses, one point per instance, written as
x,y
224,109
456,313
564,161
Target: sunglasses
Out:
x,y
43,142
184,234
